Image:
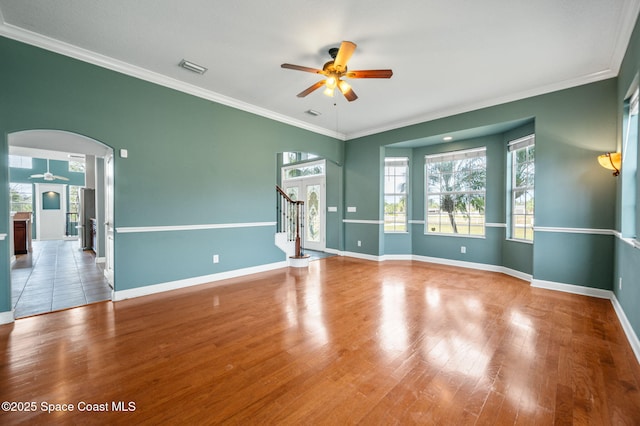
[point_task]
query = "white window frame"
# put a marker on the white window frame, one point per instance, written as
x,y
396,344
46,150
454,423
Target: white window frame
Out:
x,y
20,162
27,202
318,165
461,155
394,224
513,147
76,166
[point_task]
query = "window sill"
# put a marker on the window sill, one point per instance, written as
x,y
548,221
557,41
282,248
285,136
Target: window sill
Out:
x,y
514,240
437,234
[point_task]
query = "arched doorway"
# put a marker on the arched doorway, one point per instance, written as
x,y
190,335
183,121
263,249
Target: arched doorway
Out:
x,y
62,269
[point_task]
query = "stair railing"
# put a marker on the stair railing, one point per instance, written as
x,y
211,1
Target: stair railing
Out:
x,y
290,219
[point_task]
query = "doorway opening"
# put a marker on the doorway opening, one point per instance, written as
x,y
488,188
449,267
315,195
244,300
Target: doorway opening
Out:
x,y
64,257
307,182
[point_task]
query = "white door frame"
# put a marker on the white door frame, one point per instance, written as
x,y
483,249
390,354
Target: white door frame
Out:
x,y
302,183
108,225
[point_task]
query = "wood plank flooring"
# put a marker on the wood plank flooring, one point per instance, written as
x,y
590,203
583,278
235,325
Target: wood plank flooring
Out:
x,y
345,342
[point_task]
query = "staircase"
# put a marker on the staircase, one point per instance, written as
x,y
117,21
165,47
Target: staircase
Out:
x,y
290,229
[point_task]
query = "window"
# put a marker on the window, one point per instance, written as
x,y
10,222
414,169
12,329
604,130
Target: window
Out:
x,y
21,197
456,187
74,199
629,166
522,172
395,194
302,170
296,157
76,166
20,162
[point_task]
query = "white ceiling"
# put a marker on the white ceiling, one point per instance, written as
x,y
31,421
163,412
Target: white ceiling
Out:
x,y
447,56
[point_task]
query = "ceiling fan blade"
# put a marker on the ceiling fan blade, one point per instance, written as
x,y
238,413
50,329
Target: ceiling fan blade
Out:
x,y
344,54
60,177
347,91
39,176
311,89
350,95
370,74
301,68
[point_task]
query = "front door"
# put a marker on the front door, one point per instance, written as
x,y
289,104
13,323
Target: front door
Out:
x,y
311,190
108,204
51,209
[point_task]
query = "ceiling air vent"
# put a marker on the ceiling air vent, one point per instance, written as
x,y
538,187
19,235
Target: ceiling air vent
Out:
x,y
198,69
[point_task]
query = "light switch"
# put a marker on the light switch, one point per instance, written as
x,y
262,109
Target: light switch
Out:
x,y
124,153
351,209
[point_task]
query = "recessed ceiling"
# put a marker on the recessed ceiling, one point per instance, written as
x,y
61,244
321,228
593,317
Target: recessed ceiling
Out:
x,y
447,57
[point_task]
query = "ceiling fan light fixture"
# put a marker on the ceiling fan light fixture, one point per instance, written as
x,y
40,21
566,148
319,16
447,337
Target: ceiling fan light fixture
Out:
x,y
344,86
329,92
190,66
331,82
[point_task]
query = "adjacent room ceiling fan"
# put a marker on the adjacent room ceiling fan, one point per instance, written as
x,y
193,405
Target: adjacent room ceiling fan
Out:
x,y
48,175
336,69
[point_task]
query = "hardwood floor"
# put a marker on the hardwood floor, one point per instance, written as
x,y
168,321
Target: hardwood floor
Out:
x,y
348,341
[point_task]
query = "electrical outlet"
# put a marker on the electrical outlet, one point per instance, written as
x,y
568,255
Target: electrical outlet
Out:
x,y
216,258
620,283
463,249
359,243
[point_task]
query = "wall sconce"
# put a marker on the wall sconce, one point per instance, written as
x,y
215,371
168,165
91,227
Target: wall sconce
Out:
x,y
611,161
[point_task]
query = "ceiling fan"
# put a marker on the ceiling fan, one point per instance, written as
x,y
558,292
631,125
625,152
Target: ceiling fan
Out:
x,y
48,175
336,69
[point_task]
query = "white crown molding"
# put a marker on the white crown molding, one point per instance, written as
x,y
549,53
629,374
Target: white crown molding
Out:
x,y
628,16
189,282
461,109
169,228
72,51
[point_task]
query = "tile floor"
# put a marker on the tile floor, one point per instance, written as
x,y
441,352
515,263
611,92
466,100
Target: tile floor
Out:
x,y
56,275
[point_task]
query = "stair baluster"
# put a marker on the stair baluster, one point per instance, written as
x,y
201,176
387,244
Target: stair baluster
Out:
x,y
290,216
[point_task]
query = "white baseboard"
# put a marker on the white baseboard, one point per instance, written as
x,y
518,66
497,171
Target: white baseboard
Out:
x,y
473,265
174,285
626,326
7,317
438,260
574,289
602,294
12,260
360,256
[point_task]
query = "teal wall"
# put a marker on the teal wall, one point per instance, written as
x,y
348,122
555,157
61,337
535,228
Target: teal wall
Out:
x,y
57,167
213,180
572,127
478,250
400,243
334,197
187,164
